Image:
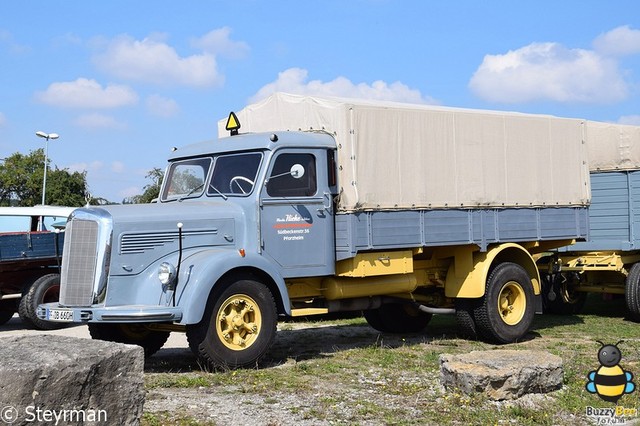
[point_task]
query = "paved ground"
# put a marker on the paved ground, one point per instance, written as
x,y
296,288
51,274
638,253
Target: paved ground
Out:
x,y
15,328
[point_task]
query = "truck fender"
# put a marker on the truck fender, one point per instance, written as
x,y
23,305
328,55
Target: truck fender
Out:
x,y
467,275
200,272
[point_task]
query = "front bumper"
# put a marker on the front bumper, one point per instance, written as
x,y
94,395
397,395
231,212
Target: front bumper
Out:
x,y
114,314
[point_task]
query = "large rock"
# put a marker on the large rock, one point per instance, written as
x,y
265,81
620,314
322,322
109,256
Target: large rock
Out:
x,y
47,379
502,374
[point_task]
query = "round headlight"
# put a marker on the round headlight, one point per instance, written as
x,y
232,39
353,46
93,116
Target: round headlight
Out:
x,y
166,273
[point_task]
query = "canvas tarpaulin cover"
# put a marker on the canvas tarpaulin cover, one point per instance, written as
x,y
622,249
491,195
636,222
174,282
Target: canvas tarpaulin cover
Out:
x,y
613,146
410,156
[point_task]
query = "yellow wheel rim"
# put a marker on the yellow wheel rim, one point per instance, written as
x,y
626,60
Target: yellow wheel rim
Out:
x,y
512,303
238,322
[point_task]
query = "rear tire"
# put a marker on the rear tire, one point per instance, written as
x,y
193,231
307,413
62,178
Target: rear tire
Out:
x,y
238,326
397,318
464,317
632,292
45,289
134,334
506,310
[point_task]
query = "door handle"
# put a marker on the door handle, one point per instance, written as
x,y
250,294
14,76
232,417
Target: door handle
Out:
x,y
326,196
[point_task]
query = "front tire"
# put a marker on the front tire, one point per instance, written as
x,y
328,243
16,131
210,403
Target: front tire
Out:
x,y
133,334
238,327
45,289
505,312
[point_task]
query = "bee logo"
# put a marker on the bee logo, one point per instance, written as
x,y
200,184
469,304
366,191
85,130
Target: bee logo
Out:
x,y
610,381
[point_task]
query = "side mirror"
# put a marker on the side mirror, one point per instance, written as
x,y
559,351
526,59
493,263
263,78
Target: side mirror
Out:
x,y
297,171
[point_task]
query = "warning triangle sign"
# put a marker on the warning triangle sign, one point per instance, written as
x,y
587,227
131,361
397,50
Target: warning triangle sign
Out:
x,y
232,124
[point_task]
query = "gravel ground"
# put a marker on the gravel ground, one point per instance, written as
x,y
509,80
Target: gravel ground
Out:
x,y
295,343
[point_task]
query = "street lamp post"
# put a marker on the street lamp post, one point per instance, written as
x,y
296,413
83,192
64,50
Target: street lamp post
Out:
x,y
46,137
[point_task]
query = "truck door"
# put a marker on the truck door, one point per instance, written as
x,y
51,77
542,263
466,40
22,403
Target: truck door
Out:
x,y
297,226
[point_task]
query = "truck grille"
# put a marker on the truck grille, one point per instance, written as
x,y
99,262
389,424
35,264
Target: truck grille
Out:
x,y
79,259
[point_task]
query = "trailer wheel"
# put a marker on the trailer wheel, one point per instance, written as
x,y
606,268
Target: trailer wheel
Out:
x,y
133,334
7,309
632,292
45,289
397,318
559,295
238,326
506,310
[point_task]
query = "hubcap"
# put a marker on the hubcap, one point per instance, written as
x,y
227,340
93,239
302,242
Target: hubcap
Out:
x,y
512,303
238,322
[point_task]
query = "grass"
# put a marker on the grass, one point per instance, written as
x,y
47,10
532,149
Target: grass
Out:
x,y
363,376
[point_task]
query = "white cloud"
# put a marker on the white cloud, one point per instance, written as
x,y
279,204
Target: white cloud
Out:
x,y
294,80
98,121
620,41
85,167
85,93
7,40
118,167
218,42
549,71
153,61
161,106
633,120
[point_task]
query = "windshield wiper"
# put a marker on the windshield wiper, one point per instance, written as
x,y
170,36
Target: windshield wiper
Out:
x,y
191,192
218,191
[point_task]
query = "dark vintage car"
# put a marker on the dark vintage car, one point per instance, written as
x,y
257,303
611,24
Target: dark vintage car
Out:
x,y
31,240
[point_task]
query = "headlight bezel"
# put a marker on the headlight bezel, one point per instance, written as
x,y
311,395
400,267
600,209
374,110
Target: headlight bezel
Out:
x,y
166,273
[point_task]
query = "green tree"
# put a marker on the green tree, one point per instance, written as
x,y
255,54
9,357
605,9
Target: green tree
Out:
x,y
151,191
21,182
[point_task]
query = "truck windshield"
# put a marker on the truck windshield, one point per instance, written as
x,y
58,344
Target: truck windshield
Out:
x,y
234,174
186,178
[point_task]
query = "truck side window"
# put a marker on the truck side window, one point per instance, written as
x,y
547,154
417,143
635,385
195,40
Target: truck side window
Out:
x,y
283,184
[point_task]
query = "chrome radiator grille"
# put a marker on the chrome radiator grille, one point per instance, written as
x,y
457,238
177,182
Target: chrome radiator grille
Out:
x,y
79,259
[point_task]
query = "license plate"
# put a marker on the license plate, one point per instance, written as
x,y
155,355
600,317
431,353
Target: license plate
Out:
x,y
61,315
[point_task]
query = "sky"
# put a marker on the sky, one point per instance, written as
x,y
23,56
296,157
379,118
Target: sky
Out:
x,y
122,82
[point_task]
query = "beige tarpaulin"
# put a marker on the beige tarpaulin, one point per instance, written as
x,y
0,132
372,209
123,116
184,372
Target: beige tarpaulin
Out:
x,y
406,156
613,146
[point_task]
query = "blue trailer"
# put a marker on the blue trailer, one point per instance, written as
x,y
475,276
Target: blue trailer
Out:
x,y
324,205
609,261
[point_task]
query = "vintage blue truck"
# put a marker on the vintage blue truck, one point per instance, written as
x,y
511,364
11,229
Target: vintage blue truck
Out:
x,y
325,205
31,241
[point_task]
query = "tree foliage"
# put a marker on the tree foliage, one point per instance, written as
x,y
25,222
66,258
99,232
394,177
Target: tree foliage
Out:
x,y
21,179
151,191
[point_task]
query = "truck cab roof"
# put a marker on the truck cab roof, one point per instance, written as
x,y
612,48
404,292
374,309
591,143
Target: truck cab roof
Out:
x,y
256,141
